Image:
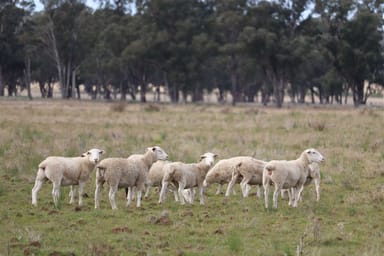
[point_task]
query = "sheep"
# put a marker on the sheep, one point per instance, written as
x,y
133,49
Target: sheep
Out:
x,y
313,174
187,176
155,177
250,170
66,171
221,172
289,175
126,172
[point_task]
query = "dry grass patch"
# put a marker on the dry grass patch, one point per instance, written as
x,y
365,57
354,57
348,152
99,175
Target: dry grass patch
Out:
x,y
347,219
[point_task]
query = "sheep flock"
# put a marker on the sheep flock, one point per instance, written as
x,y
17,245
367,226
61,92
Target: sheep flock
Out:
x,y
137,173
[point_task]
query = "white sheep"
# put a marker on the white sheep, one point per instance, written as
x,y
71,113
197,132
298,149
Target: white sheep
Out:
x,y
66,171
155,177
250,171
186,176
221,172
128,172
313,175
289,175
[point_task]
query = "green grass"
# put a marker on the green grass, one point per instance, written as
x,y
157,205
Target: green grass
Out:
x,y
348,219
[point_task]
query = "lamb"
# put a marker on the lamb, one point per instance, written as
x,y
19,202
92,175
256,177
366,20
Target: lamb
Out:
x,y
126,172
221,172
250,170
313,174
187,176
66,171
155,175
289,175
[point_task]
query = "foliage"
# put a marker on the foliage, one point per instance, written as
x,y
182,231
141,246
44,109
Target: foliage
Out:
x,y
248,48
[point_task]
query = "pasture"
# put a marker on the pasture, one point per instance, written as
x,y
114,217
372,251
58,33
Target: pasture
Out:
x,y
348,219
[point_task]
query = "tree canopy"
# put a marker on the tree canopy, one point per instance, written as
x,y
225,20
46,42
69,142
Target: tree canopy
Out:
x,y
253,50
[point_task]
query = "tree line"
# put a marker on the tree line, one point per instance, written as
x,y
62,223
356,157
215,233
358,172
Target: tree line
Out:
x,y
254,49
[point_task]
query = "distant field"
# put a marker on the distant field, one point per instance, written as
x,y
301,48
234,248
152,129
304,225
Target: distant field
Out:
x,y
348,220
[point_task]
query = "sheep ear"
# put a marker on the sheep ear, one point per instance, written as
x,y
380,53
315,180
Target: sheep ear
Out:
x,y
308,151
101,152
215,155
154,149
202,157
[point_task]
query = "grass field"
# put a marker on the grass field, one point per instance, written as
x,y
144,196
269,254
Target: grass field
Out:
x,y
348,219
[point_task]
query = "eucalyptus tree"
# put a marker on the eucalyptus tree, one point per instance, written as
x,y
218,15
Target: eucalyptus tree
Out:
x,y
355,30
268,41
361,52
63,31
229,21
180,27
13,14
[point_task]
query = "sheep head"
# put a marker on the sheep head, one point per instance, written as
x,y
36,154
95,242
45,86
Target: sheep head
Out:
x,y
208,158
93,154
159,152
314,156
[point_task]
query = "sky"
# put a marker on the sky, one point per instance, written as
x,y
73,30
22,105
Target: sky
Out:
x,y
39,5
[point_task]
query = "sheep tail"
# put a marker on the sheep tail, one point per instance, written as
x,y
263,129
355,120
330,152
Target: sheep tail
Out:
x,y
236,170
169,174
42,166
270,168
100,171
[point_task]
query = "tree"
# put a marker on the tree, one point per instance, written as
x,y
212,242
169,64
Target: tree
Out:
x,y
62,32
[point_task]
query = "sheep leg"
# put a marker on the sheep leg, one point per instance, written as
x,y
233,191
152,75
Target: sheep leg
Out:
x,y
266,194
129,196
138,197
218,191
298,195
243,186
317,186
258,193
192,192
201,195
291,193
266,190
133,193
276,195
35,189
189,195
180,190
40,178
56,193
111,195
81,190
231,184
72,192
147,190
283,191
163,191
99,187
176,195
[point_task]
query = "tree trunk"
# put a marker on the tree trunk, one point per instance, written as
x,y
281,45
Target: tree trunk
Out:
x,y
1,82
51,43
74,85
278,91
234,79
28,76
143,90
123,90
359,93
